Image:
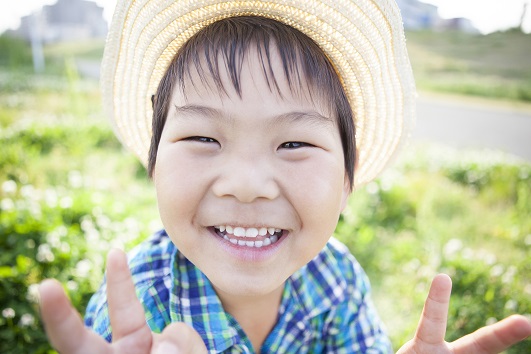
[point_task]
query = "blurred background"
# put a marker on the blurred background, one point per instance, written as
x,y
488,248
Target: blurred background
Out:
x,y
458,200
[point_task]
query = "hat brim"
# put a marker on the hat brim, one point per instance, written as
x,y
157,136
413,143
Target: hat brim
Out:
x,y
363,39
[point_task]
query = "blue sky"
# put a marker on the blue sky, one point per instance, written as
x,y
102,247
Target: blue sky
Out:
x,y
487,15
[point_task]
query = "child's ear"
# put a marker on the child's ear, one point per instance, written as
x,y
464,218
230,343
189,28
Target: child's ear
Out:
x,y
346,193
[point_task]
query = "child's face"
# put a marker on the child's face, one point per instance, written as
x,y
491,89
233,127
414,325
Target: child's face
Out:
x,y
255,162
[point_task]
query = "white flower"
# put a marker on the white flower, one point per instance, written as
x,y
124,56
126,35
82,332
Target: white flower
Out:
x,y
489,258
92,235
33,293
9,187
53,239
45,254
66,202
65,247
508,276
497,270
452,247
72,285
75,179
86,224
35,210
8,312
83,268
50,197
103,221
511,305
26,320
7,204
467,253
27,191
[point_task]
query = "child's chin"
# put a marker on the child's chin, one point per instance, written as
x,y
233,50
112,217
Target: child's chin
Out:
x,y
246,285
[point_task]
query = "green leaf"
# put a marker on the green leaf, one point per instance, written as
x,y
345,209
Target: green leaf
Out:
x,y
7,272
23,263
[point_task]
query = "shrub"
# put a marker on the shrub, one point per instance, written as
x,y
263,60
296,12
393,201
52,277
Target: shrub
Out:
x,y
53,233
15,53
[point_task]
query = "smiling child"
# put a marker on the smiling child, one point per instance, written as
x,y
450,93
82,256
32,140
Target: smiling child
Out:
x,y
256,120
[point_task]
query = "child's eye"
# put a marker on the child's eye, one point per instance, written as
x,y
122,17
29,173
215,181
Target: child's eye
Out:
x,y
293,145
202,139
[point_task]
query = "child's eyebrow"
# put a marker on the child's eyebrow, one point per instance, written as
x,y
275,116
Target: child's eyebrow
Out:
x,y
309,116
198,110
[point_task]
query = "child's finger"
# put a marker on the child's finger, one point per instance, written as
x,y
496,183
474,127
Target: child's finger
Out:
x,y
125,311
432,325
494,338
178,337
63,324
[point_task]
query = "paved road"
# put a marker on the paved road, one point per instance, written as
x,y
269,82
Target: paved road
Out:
x,y
474,124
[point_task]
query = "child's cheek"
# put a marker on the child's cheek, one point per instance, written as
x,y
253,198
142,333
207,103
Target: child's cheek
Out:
x,y
178,179
317,186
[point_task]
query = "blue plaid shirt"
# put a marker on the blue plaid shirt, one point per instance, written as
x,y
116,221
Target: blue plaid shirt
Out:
x,y
325,307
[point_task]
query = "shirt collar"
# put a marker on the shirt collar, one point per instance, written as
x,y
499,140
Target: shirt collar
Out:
x,y
309,292
319,285
194,302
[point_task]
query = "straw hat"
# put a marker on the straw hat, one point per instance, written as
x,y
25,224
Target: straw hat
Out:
x,y
364,39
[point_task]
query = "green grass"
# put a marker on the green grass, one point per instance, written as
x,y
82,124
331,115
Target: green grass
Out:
x,y
441,210
494,66
69,188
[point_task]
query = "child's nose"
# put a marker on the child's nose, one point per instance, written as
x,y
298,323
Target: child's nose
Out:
x,y
246,179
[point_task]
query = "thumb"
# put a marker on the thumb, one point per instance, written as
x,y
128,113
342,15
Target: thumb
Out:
x,y
179,338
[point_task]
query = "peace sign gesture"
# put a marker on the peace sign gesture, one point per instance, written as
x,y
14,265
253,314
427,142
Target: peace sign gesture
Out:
x,y
429,337
131,334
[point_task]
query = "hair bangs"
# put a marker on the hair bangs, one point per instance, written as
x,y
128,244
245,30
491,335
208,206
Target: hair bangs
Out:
x,y
222,47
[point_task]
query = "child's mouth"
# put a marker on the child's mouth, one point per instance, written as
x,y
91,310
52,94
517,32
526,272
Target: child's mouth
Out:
x,y
249,237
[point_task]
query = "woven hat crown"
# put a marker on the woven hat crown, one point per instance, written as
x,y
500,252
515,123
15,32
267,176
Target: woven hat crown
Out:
x,y
364,40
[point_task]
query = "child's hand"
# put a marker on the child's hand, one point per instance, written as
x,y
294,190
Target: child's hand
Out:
x,y
131,334
429,337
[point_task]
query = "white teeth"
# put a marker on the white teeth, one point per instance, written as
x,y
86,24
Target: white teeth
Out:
x,y
239,231
271,235
247,232
251,232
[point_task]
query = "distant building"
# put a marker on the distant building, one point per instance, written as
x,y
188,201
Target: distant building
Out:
x,y
458,24
66,20
418,15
